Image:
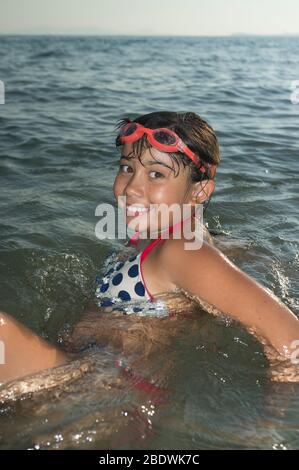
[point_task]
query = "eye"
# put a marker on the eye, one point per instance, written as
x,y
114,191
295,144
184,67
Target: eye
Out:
x,y
127,169
124,168
157,173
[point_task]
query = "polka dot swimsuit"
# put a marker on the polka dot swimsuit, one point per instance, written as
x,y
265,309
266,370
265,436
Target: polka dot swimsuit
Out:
x,y
124,281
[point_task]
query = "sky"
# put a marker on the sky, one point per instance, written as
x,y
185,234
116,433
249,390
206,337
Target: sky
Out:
x,y
149,17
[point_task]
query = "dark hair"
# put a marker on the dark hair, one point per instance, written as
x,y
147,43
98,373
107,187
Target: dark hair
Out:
x,y
196,133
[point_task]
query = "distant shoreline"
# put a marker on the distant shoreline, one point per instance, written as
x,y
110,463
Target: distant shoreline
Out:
x,y
233,35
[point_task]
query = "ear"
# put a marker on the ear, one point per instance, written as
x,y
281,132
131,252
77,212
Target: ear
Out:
x,y
201,191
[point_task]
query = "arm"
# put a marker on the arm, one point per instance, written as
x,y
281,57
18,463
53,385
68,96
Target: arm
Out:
x,y
220,283
23,351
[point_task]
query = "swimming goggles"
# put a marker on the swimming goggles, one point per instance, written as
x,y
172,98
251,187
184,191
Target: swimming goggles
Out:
x,y
162,139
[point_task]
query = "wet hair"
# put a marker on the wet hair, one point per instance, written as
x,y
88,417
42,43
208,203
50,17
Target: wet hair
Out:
x,y
195,132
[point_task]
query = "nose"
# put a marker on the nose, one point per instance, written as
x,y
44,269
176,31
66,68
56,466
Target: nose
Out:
x,y
134,188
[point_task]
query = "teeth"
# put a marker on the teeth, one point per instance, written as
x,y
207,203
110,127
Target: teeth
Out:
x,y
138,209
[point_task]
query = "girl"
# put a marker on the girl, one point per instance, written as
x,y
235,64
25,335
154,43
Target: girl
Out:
x,y
166,158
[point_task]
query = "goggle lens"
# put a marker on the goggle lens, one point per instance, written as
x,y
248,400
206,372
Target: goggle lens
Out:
x,y
164,138
128,129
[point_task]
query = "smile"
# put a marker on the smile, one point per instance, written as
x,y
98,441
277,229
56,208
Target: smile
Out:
x,y
136,210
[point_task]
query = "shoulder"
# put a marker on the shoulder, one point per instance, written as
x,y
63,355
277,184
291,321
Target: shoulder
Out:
x,y
184,261
186,249
183,248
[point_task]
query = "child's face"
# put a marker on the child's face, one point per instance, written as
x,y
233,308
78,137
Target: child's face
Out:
x,y
153,183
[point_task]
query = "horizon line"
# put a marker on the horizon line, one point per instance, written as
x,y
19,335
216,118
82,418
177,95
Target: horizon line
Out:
x,y
145,35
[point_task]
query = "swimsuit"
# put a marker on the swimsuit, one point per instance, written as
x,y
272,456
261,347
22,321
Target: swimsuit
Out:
x,y
124,281
123,287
